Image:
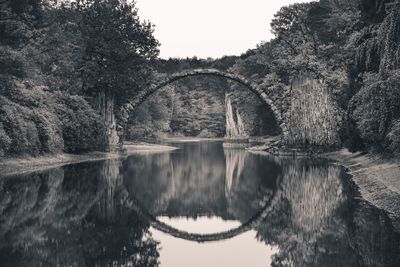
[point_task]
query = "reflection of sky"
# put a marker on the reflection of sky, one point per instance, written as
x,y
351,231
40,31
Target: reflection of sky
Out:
x,y
242,250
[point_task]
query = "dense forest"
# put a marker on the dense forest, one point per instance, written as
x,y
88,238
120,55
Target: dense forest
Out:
x,y
58,58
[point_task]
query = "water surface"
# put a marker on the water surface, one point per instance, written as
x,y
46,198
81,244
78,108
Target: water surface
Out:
x,y
164,208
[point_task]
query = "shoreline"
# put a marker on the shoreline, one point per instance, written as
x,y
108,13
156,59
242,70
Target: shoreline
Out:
x,y
377,180
28,164
143,147
184,139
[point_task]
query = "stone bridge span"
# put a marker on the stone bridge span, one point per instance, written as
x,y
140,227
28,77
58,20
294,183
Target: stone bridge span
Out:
x,y
144,94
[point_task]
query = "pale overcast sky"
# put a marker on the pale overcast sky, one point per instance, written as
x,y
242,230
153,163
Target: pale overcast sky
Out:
x,y
210,28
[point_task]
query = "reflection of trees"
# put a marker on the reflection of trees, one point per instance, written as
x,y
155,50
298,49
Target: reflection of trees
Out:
x,y
150,178
234,160
185,184
74,216
110,170
313,224
202,182
311,195
198,177
373,236
258,184
314,192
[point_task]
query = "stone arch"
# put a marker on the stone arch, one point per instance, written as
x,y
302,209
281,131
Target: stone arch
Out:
x,y
143,95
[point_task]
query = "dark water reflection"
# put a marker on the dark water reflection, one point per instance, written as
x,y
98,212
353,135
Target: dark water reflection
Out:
x,y
87,214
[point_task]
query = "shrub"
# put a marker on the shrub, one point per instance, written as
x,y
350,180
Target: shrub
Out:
x,y
36,121
19,127
375,109
5,141
392,141
49,130
82,128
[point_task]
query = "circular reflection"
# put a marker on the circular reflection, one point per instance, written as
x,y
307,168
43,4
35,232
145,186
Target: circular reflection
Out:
x,y
253,222
201,224
203,179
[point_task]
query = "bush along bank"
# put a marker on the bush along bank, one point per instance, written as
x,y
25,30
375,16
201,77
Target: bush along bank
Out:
x,y
35,121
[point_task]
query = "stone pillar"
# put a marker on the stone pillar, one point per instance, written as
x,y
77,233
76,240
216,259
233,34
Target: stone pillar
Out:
x,y
105,104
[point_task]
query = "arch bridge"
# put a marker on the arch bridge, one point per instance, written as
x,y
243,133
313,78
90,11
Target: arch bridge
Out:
x,y
146,93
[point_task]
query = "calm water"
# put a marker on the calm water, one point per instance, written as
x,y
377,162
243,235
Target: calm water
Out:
x,y
201,205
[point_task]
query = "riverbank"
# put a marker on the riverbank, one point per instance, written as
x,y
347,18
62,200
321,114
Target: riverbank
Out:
x,y
378,180
13,166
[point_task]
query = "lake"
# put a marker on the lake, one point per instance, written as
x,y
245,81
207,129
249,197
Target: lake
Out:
x,y
200,205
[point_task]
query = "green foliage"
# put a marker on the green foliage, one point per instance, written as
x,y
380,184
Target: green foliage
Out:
x,y
189,107
55,50
91,46
12,63
35,121
373,11
377,48
392,140
117,47
18,19
310,38
82,128
31,131
195,106
389,34
61,36
376,109
353,46
151,119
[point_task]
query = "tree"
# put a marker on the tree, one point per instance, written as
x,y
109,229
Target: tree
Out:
x,y
18,19
117,48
